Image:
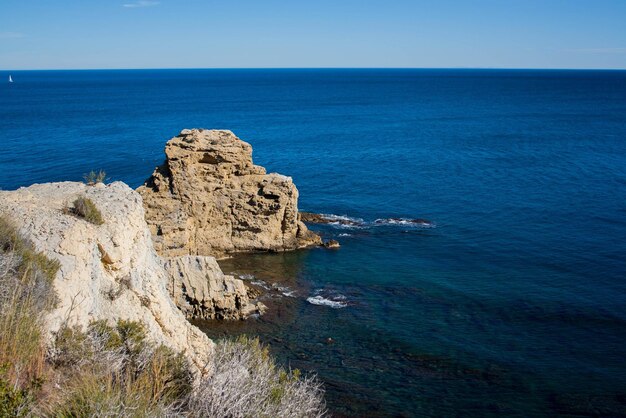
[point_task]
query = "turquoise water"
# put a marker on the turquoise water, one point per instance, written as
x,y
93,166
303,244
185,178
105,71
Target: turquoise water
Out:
x,y
512,304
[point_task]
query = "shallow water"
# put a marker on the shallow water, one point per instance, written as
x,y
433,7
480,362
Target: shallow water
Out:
x,y
512,304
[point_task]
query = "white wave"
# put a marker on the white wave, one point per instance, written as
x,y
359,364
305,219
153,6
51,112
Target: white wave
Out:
x,y
345,235
322,301
261,283
248,277
284,290
338,218
343,221
416,223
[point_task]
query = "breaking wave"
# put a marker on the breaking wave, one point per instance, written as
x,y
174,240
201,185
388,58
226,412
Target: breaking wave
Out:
x,y
416,223
329,298
284,290
320,300
260,283
344,221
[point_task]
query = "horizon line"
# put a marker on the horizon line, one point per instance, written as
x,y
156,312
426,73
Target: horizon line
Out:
x,y
318,68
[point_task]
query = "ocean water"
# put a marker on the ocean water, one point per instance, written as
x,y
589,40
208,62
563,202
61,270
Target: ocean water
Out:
x,y
511,303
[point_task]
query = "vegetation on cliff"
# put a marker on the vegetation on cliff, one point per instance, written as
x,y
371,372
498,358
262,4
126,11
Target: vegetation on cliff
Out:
x,y
114,370
25,294
92,178
84,207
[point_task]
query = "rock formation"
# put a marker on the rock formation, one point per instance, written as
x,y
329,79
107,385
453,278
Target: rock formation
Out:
x,y
201,290
112,272
316,218
208,198
332,244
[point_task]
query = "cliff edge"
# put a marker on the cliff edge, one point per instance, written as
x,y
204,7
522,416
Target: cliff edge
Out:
x,y
209,198
110,271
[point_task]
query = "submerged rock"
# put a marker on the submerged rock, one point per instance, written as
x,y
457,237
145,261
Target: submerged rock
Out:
x,y
404,221
108,272
331,243
208,198
316,218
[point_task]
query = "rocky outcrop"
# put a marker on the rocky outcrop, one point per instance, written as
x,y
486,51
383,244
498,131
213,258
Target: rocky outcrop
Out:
x,y
208,198
316,218
332,244
109,271
201,290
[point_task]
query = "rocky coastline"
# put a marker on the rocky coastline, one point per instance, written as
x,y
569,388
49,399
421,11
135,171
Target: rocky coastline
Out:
x,y
152,259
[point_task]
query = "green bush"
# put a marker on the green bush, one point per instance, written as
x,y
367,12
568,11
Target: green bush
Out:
x,y
14,402
93,178
85,208
115,371
30,262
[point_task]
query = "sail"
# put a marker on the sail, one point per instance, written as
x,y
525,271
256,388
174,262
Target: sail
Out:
x,y
10,79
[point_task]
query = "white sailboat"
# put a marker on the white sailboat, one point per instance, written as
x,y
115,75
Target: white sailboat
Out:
x,y
10,79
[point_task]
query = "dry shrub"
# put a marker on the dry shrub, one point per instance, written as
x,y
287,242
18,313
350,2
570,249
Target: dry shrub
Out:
x,y
93,177
115,371
247,383
26,293
86,209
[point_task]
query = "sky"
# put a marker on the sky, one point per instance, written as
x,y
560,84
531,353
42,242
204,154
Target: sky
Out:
x,y
86,34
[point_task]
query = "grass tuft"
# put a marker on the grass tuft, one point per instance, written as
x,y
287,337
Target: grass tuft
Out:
x,y
92,178
26,293
86,209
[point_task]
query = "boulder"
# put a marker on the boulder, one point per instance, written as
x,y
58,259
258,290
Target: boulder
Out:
x,y
201,290
208,198
331,243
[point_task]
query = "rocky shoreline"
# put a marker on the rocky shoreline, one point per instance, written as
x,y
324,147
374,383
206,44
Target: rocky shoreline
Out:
x,y
152,259
346,221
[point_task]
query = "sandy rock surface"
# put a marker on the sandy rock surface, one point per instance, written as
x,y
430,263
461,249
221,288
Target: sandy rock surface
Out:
x,y
208,198
109,271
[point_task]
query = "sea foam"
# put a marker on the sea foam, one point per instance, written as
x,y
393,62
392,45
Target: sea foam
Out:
x,y
322,301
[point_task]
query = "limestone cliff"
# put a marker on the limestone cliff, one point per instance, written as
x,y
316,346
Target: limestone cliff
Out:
x,y
208,198
111,271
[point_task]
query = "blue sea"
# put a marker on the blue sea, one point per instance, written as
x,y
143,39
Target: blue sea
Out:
x,y
512,302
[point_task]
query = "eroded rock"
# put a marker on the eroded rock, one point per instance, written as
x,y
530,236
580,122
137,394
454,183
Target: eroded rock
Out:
x,y
201,290
208,198
108,272
332,244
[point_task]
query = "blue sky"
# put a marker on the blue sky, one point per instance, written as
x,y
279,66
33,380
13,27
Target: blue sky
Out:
x,y
38,34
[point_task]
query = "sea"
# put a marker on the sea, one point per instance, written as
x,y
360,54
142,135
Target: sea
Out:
x,y
508,299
